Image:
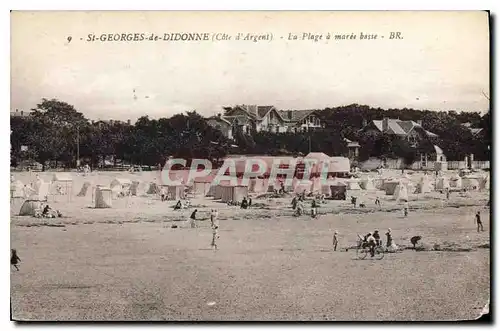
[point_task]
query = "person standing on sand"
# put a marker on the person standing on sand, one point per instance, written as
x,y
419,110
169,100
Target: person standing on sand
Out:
x,y
193,218
335,240
14,259
213,217
389,238
353,201
215,235
478,221
314,207
377,201
163,194
405,210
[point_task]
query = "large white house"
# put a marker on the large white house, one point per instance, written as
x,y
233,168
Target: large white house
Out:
x,y
251,118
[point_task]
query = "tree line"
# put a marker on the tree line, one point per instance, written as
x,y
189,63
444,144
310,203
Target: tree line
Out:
x,y
55,132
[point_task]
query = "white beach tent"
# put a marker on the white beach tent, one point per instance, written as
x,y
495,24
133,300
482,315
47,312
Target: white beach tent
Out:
x,y
103,197
442,183
120,181
423,186
484,183
303,185
456,181
17,189
353,184
42,190
470,182
401,192
85,188
120,185
390,186
367,183
62,179
31,207
153,188
138,188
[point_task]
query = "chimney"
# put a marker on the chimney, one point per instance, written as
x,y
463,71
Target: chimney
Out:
x,y
290,114
419,122
385,124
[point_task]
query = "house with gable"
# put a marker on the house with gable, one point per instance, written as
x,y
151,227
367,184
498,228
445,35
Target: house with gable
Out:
x,y
223,125
411,131
255,118
301,120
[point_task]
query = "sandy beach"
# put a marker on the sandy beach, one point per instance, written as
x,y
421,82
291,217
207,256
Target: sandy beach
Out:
x,y
128,263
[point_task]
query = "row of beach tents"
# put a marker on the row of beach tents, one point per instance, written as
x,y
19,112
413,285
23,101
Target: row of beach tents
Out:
x,y
237,189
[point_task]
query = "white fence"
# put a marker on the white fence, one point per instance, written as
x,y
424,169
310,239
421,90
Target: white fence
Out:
x,y
419,165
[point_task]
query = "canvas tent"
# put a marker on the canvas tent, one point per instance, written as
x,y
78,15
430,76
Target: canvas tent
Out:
x,y
442,183
401,192
138,188
390,186
41,191
120,185
153,188
484,183
84,190
103,197
233,193
456,182
176,192
423,186
17,189
470,182
353,184
378,183
256,185
62,180
338,190
303,185
367,184
200,189
31,207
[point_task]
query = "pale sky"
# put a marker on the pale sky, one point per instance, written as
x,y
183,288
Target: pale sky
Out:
x,y
441,64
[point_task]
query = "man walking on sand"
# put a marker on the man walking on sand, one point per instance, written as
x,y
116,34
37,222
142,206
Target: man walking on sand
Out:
x,y
335,240
478,221
215,235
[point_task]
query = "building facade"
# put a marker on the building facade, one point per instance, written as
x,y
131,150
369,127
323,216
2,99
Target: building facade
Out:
x,y
253,118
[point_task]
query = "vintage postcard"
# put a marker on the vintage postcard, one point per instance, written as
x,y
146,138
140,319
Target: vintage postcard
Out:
x,y
250,166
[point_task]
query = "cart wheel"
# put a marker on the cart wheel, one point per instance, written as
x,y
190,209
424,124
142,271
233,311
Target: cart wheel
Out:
x,y
379,253
361,253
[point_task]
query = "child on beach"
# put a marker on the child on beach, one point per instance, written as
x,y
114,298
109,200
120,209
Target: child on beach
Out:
x,y
14,259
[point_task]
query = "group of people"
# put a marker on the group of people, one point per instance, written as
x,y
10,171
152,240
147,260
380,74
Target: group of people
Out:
x,y
298,204
245,203
48,212
372,240
214,224
182,204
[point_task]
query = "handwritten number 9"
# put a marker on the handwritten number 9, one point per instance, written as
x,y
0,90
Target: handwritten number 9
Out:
x,y
69,39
